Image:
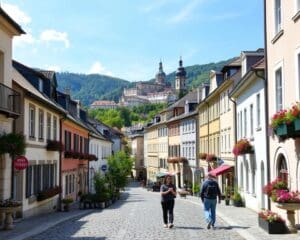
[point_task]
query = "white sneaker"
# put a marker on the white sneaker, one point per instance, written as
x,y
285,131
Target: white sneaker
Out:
x,y
165,225
171,225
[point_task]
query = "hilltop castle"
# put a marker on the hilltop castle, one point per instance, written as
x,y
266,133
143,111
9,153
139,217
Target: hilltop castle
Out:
x,y
158,92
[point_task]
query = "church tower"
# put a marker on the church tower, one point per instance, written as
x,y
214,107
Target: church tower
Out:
x,y
180,84
160,77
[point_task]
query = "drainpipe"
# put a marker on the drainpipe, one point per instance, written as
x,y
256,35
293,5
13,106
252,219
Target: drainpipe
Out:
x,y
266,92
235,138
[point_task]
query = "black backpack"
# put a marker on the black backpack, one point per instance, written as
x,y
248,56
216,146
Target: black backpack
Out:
x,y
211,190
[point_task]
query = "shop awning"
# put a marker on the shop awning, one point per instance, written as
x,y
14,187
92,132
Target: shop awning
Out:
x,y
220,170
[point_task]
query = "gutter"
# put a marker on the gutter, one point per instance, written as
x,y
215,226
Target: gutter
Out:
x,y
266,99
235,139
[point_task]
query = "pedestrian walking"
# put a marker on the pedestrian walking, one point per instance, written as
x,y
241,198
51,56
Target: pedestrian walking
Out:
x,y
210,190
168,194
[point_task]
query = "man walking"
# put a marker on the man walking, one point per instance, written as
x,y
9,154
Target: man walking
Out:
x,y
209,192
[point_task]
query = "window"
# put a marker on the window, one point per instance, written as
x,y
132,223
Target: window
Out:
x,y
66,185
54,128
29,181
48,126
67,141
41,85
258,120
241,124
279,91
251,119
245,122
282,167
277,16
31,121
298,5
41,124
75,143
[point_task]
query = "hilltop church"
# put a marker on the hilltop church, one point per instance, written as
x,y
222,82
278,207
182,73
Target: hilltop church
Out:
x,y
158,92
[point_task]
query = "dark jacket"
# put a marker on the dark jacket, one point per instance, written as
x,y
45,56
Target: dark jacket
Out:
x,y
205,185
168,196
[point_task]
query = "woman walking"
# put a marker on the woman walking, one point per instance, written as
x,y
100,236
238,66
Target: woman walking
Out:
x,y
168,194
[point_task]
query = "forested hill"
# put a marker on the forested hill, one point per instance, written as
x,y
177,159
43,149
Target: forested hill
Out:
x,y
91,87
88,88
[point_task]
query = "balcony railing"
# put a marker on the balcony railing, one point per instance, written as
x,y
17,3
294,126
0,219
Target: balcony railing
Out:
x,y
9,101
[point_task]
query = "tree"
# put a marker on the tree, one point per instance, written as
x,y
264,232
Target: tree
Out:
x,y
119,167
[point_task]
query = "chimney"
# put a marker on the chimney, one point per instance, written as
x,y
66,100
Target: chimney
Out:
x,y
198,95
78,107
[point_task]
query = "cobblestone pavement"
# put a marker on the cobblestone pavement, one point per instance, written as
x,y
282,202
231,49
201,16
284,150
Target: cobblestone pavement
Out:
x,y
138,215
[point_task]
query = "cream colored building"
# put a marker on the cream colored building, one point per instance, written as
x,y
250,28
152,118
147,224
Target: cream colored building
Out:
x,y
151,152
9,106
283,69
40,123
163,143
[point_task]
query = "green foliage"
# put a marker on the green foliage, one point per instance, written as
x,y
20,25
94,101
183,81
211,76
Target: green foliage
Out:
x,y
236,197
119,167
124,116
196,188
12,143
88,88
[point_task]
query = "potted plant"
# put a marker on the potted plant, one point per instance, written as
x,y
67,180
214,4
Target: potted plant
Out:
x,y
67,201
237,198
196,189
271,222
242,147
48,193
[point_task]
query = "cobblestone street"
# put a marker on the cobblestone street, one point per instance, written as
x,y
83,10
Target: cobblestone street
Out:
x,y
138,216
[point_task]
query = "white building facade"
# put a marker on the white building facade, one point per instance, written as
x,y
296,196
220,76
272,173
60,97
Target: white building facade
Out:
x,y
249,95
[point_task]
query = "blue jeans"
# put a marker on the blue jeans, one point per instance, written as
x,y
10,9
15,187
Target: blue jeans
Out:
x,y
210,210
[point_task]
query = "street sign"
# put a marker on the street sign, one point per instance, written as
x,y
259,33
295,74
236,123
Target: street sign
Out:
x,y
21,163
103,168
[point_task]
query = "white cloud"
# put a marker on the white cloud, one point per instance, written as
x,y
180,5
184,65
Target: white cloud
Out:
x,y
54,68
53,35
98,68
21,41
16,13
186,12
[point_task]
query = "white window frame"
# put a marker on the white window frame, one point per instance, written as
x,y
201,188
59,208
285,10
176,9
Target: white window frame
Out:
x,y
258,110
32,121
251,120
277,26
276,68
297,5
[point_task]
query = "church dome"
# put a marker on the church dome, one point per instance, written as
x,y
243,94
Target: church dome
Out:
x,y
160,76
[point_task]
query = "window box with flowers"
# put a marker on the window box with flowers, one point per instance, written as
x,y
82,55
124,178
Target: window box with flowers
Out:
x,y
286,123
53,145
285,199
48,193
271,222
242,147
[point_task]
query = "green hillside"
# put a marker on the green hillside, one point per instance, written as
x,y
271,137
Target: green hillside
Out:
x,y
88,88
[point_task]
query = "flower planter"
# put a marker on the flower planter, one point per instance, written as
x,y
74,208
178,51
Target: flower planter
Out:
x,y
283,130
237,204
297,124
272,227
227,202
290,210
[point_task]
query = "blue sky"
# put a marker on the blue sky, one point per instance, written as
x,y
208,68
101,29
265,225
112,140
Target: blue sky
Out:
x,y
127,38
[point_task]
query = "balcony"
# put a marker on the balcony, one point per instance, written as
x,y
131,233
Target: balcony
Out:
x,y
9,102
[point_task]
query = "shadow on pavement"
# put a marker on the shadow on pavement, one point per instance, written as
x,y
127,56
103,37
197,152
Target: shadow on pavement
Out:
x,y
231,227
192,228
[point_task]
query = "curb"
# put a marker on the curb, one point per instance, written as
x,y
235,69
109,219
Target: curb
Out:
x,y
45,226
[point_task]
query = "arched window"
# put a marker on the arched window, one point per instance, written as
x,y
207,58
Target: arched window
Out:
x,y
282,170
247,175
